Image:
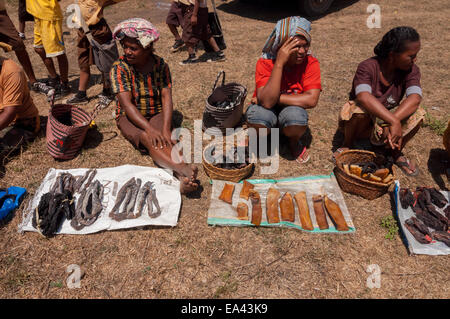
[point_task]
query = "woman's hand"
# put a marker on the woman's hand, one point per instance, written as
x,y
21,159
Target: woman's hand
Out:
x,y
285,51
157,138
167,134
395,135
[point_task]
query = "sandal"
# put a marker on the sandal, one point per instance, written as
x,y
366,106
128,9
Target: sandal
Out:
x,y
403,162
337,152
303,157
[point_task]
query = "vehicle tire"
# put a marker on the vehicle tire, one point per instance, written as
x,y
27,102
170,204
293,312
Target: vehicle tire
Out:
x,y
314,8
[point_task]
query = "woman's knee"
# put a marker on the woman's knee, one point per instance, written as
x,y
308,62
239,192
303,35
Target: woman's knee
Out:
x,y
260,117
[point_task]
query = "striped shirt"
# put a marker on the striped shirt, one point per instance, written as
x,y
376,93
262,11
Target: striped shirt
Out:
x,y
146,89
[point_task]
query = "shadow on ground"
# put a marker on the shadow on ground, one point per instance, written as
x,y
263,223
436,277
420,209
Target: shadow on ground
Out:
x,y
438,163
272,11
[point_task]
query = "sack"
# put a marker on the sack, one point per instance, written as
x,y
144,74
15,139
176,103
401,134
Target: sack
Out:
x,y
224,106
104,54
67,126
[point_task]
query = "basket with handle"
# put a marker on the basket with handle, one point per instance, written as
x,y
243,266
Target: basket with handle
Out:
x,y
356,185
214,172
67,126
217,119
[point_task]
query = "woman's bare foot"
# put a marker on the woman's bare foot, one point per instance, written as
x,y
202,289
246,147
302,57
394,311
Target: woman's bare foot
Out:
x,y
187,176
187,186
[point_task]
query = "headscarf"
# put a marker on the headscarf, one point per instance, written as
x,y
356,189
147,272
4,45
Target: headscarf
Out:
x,y
137,28
285,28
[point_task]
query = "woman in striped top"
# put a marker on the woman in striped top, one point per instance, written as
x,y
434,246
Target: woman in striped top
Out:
x,y
142,84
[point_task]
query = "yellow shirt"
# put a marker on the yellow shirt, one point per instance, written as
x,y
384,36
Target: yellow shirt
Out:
x,y
92,10
45,9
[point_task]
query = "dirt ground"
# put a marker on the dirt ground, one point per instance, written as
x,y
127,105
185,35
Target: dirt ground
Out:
x,y
194,260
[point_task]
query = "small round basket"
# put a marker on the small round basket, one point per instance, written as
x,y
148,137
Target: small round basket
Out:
x,y
232,175
355,185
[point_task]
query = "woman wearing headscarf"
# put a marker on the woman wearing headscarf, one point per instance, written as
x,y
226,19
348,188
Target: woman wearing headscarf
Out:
x,y
142,83
376,109
287,84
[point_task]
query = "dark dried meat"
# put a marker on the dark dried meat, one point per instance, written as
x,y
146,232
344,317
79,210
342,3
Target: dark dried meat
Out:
x,y
441,236
418,230
406,198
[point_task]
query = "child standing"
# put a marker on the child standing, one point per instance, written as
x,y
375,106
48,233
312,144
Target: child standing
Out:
x,y
24,16
196,28
11,40
92,12
174,20
49,43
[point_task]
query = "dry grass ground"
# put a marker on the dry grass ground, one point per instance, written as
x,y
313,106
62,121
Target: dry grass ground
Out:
x,y
194,260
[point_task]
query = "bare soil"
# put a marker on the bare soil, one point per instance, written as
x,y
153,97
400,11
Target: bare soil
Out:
x,y
194,260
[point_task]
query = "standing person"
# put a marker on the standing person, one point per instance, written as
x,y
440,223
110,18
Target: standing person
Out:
x,y
92,13
24,16
174,20
49,43
9,36
287,84
196,28
19,117
142,83
376,110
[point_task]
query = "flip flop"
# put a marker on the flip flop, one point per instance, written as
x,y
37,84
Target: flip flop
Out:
x,y
406,163
337,152
304,156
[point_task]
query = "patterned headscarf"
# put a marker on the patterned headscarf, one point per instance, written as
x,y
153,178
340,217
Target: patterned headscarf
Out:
x,y
137,28
285,28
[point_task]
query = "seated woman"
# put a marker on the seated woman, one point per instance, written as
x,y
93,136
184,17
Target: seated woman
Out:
x,y
287,84
142,83
19,117
376,109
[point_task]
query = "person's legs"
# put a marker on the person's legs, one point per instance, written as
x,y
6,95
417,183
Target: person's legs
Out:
x,y
53,43
174,20
406,165
358,127
294,121
186,173
258,117
22,29
189,37
24,59
174,30
48,62
39,49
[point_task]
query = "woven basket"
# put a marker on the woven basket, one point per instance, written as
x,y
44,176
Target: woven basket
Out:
x,y
355,185
67,126
233,175
215,119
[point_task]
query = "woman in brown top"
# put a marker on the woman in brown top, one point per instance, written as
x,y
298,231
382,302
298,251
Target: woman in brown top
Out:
x,y
376,109
19,117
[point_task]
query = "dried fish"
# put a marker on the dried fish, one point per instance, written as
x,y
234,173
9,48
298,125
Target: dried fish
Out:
x,y
89,206
156,203
120,198
131,204
141,198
